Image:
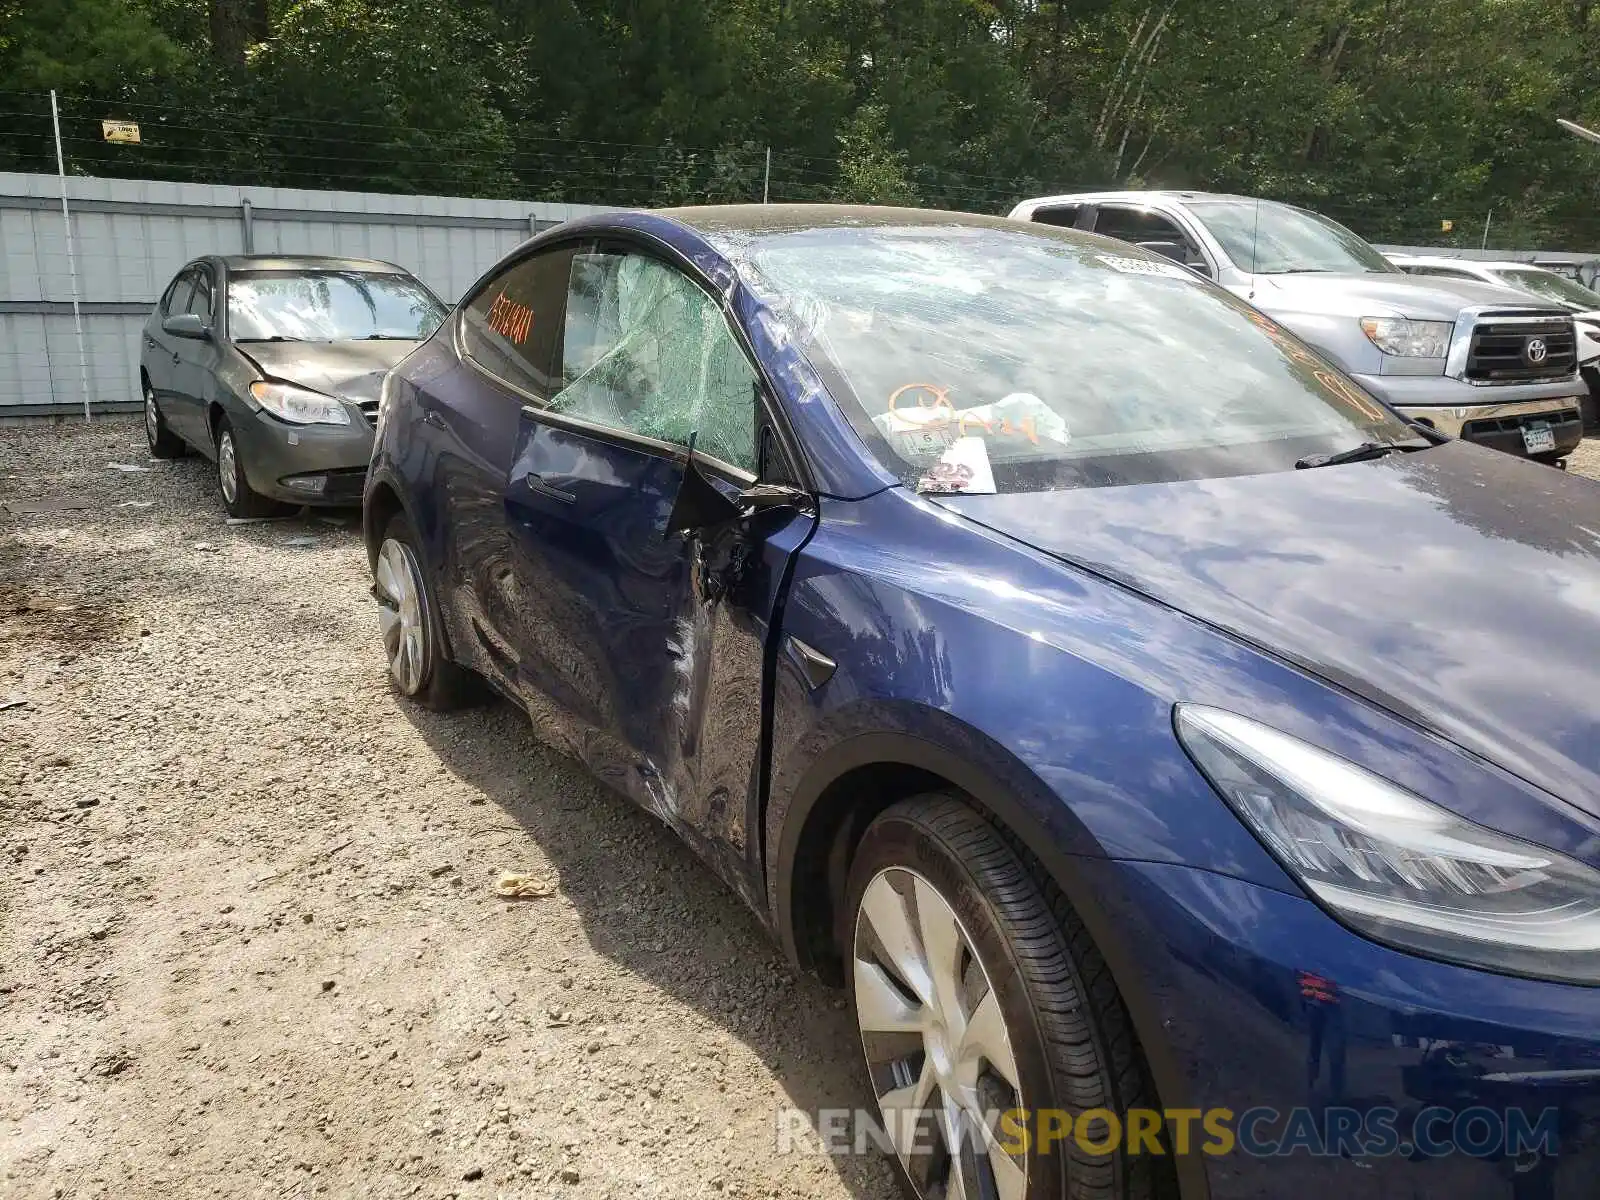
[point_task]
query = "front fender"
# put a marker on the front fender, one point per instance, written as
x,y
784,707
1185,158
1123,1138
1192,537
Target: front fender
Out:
x,y
909,735
1055,685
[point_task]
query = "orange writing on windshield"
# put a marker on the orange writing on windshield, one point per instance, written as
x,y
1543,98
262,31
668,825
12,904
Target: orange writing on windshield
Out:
x,y
930,398
509,319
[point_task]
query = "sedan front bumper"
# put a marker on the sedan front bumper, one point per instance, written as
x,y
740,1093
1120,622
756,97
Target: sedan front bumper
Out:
x,y
305,464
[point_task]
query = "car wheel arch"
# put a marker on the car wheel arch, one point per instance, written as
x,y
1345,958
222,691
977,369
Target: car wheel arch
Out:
x,y
857,776
214,414
382,503
385,499
809,857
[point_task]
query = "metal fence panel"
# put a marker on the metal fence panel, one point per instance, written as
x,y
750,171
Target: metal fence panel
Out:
x,y
132,235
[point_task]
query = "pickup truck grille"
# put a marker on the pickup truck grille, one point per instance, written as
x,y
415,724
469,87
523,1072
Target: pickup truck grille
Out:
x,y
1518,351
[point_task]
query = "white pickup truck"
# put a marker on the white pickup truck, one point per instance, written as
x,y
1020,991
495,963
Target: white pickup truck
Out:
x,y
1473,360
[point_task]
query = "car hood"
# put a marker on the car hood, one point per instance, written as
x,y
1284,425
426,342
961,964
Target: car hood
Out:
x,y
354,370
1456,587
1376,294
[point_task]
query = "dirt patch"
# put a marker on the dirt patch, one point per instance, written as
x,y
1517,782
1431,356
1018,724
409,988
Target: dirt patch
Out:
x,y
60,622
249,936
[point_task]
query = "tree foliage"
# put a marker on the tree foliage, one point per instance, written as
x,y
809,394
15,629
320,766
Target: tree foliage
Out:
x,y
73,45
1391,115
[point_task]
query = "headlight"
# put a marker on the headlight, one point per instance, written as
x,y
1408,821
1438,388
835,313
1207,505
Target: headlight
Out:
x,y
1408,339
1396,867
298,405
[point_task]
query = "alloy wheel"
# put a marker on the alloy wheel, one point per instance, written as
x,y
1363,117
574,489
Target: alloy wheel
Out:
x,y
937,1046
152,418
227,467
401,615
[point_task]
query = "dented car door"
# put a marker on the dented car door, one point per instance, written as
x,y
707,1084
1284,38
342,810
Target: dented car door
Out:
x,y
643,646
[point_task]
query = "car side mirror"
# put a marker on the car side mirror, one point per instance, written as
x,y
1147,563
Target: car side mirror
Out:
x,y
1179,253
699,503
763,497
187,325
1176,251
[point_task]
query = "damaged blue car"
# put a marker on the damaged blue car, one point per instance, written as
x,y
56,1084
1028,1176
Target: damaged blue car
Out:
x,y
1189,767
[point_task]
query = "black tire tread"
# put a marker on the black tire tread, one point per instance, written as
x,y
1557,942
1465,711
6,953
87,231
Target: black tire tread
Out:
x,y
1082,1019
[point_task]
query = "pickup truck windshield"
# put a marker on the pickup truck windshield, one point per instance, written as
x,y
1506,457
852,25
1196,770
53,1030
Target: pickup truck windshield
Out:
x,y
981,359
1274,239
329,306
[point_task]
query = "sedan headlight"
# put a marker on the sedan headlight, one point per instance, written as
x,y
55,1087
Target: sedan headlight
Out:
x,y
1408,339
299,405
1396,867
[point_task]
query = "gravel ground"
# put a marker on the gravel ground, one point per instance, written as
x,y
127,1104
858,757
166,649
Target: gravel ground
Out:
x,y
248,940
1586,459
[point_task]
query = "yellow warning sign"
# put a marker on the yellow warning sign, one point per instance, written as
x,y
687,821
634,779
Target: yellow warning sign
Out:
x,y
120,131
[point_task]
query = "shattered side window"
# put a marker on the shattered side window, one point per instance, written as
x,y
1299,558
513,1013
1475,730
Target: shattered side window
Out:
x,y
646,351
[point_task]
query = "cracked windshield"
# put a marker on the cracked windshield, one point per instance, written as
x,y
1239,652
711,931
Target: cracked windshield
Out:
x,y
328,306
983,360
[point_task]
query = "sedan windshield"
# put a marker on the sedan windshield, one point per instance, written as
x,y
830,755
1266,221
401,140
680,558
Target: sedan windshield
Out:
x,y
1550,286
1274,239
982,359
329,306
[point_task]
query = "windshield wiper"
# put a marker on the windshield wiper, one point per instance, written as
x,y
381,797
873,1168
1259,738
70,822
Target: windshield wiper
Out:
x,y
277,337
388,337
1361,453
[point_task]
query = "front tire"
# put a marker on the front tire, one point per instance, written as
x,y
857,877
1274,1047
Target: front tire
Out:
x,y
163,442
238,497
978,994
413,634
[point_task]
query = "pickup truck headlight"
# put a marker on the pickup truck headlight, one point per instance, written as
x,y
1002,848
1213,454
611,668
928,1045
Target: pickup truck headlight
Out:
x,y
1409,339
299,406
1396,867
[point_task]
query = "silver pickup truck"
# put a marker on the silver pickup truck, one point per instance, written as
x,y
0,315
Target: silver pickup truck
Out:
x,y
1474,361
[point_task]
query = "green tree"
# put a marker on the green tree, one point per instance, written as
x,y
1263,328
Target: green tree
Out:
x,y
871,170
73,45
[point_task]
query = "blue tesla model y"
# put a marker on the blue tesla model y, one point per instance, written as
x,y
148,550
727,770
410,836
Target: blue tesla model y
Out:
x,y
1190,768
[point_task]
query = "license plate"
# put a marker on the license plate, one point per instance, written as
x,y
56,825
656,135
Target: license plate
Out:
x,y
1538,439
